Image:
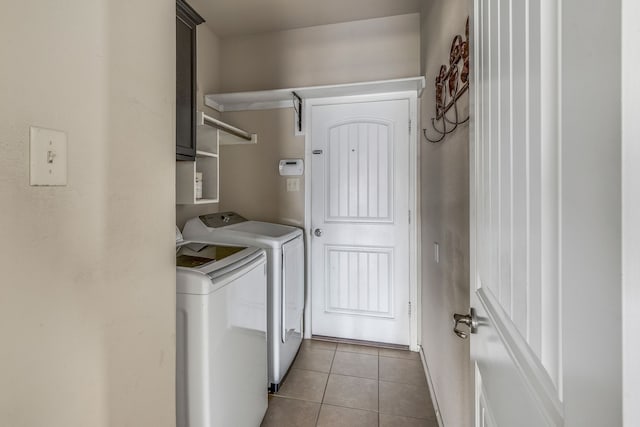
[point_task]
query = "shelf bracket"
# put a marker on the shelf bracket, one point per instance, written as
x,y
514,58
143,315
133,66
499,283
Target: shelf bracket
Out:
x,y
297,106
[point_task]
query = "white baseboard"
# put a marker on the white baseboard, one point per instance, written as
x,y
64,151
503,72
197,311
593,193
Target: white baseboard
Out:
x,y
432,393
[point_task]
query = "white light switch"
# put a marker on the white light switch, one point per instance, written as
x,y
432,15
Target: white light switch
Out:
x,y
48,156
293,184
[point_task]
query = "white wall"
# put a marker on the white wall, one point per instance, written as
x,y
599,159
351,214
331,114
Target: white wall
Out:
x,y
372,49
631,211
87,313
444,180
590,220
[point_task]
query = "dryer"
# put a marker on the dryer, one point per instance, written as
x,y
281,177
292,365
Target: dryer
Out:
x,y
221,335
284,246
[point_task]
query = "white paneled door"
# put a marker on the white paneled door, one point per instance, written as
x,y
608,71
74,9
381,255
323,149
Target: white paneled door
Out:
x,y
516,352
360,221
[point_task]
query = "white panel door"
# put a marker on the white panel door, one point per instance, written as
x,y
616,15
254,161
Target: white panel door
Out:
x,y
359,217
515,214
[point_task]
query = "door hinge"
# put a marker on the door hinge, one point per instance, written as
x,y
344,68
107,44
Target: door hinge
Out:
x,y
409,217
409,125
409,311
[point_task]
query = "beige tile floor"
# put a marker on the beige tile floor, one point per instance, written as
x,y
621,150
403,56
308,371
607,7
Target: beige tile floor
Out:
x,y
337,385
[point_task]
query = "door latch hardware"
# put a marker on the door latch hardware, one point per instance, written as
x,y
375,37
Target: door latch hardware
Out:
x,y
317,151
317,232
469,320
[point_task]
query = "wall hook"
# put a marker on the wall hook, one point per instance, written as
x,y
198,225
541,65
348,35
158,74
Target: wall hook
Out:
x,y
297,107
452,82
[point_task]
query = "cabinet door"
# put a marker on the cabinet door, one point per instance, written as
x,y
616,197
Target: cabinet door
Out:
x,y
186,21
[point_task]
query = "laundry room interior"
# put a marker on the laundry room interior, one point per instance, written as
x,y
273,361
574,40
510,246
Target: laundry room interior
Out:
x,y
251,74
102,337
240,213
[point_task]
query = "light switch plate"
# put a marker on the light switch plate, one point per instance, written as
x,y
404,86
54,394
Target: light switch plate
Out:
x,y
293,184
48,157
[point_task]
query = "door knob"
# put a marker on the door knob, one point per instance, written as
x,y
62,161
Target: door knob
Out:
x,y
468,320
317,232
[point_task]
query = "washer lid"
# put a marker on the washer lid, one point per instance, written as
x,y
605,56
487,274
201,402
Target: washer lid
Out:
x,y
221,219
202,266
266,229
250,233
199,255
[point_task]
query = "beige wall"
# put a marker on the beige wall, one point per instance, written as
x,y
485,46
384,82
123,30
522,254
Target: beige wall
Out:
x,y
445,219
373,49
249,178
87,311
208,81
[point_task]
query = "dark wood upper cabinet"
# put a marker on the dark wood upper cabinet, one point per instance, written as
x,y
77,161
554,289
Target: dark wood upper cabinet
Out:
x,y
186,21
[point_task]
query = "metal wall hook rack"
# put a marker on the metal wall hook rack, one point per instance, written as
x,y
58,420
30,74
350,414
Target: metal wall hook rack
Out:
x,y
452,82
297,107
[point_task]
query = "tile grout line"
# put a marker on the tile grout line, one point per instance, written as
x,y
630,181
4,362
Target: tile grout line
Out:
x,y
352,376
336,405
378,388
325,387
344,375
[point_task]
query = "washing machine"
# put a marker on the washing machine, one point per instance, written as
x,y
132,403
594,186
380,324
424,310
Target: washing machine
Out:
x,y
284,246
221,335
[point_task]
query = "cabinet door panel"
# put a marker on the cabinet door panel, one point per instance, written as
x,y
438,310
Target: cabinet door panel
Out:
x,y
186,21
185,114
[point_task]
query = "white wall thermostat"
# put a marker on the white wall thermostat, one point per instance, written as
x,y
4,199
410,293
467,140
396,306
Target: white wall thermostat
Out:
x,y
291,167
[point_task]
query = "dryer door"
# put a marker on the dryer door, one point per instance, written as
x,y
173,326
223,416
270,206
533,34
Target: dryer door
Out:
x,y
292,288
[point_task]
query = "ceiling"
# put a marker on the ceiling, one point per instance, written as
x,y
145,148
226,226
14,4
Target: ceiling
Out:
x,y
229,18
